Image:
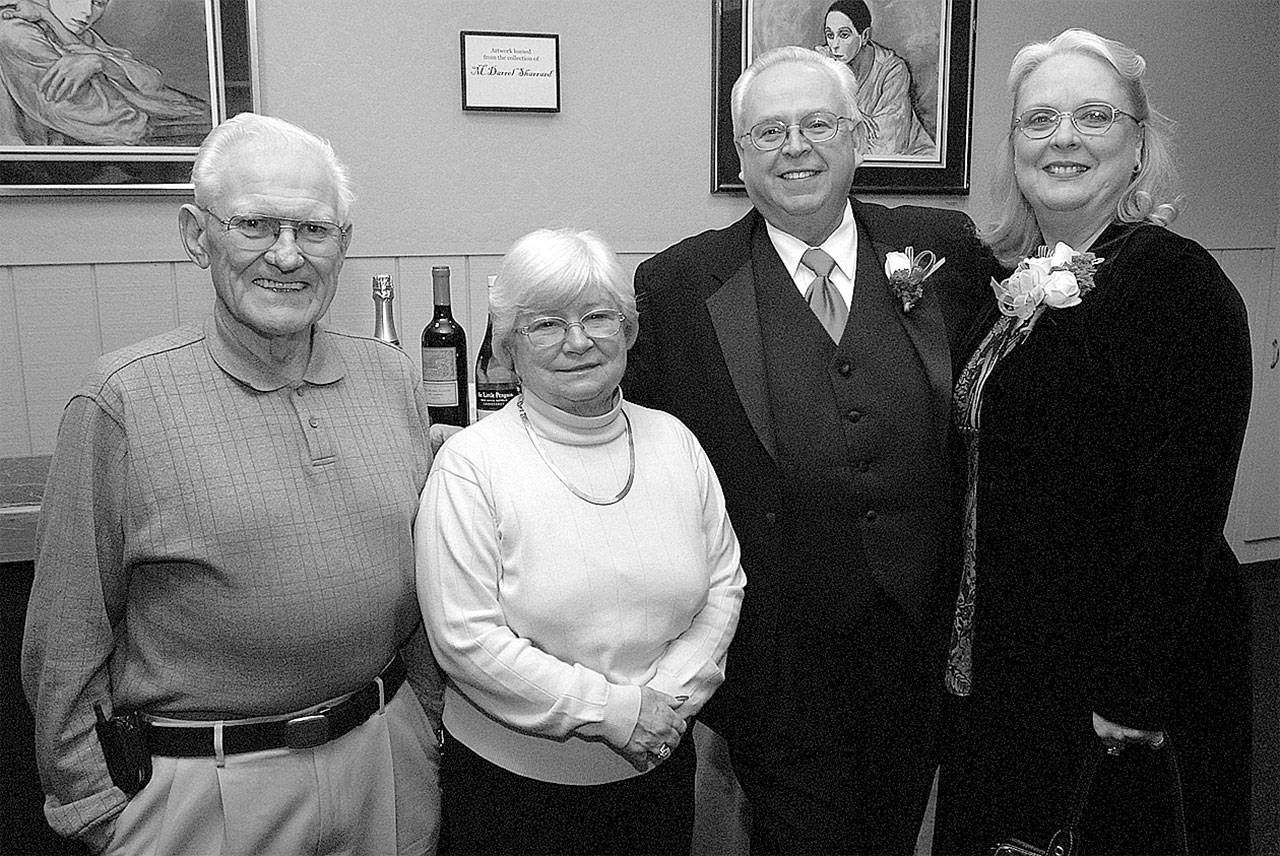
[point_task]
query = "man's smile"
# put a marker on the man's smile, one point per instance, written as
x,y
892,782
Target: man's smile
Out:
x,y
278,286
799,174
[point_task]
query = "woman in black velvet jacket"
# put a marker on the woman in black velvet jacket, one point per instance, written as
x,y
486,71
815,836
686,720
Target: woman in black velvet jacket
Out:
x,y
1103,413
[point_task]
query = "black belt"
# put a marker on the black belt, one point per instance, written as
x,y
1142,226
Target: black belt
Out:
x,y
300,732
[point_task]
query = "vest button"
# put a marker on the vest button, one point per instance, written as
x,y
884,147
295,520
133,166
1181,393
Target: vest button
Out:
x,y
770,517
854,416
845,368
870,516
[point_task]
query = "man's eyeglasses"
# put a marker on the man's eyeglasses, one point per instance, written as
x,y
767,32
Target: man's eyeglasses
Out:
x,y
816,128
550,331
259,232
1092,120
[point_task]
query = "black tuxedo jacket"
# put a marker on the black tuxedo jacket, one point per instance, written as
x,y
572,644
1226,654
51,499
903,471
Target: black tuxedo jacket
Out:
x,y
843,620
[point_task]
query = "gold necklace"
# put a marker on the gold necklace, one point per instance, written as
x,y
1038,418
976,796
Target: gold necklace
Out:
x,y
631,452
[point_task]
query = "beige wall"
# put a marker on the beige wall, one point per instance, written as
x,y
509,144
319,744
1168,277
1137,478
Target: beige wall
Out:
x,y
629,155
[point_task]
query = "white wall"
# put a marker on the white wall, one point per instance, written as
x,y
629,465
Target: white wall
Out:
x,y
629,154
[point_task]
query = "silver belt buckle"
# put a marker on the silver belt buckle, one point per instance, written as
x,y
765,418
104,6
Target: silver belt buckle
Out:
x,y
306,732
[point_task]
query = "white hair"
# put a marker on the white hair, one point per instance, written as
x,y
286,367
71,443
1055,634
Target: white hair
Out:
x,y
550,268
839,73
227,140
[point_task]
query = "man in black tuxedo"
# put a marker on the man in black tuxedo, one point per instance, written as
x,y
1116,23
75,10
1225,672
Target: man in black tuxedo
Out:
x,y
828,425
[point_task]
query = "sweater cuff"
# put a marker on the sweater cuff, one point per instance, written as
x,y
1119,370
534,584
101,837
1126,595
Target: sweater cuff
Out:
x,y
96,833
621,713
98,836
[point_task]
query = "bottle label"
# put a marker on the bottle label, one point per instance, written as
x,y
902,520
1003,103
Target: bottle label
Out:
x,y
491,398
440,376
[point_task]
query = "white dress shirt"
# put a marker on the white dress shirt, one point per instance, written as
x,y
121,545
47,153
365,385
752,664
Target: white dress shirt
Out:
x,y
841,245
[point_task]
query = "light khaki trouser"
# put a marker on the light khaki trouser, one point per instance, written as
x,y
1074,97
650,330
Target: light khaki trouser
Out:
x,y
372,792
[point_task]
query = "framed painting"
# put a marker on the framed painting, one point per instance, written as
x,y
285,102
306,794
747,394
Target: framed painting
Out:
x,y
115,96
914,63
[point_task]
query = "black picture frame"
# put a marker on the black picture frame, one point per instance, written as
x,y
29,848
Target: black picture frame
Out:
x,y
947,172
505,91
230,60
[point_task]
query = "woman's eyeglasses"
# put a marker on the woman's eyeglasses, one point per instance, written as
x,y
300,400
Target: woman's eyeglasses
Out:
x,y
1092,120
550,331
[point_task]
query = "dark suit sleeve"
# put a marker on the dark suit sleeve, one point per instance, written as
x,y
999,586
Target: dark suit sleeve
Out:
x,y
970,295
963,284
642,383
1178,345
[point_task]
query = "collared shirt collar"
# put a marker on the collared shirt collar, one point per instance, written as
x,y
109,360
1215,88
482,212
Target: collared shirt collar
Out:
x,y
841,245
236,359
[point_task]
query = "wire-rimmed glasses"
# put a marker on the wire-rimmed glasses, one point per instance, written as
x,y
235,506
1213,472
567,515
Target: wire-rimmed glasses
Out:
x,y
550,331
260,231
817,127
1093,120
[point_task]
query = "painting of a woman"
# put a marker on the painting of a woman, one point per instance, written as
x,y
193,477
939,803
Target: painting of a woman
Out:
x,y
884,82
61,83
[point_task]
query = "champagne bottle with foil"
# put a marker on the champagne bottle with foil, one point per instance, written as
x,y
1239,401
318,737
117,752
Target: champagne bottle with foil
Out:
x,y
384,319
495,383
444,358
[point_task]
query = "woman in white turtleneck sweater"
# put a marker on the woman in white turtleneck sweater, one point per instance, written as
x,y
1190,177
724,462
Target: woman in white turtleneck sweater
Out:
x,y
579,579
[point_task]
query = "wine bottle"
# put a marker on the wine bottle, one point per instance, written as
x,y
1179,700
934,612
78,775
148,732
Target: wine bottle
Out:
x,y
384,320
444,358
495,384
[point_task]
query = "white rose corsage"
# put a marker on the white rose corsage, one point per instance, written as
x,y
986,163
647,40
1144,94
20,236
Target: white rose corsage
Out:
x,y
1056,279
907,272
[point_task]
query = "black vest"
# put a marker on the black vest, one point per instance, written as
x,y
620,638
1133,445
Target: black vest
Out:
x,y
862,455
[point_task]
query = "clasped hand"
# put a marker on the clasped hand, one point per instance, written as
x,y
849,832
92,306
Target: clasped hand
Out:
x,y
69,73
658,725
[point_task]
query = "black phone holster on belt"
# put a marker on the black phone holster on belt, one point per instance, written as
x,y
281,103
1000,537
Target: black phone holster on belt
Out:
x,y
124,743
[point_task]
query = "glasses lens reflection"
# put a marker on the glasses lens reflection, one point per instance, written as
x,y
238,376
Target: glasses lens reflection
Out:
x,y
550,331
259,232
1089,119
816,128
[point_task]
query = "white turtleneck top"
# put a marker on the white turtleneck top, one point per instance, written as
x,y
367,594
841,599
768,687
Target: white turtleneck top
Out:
x,y
548,613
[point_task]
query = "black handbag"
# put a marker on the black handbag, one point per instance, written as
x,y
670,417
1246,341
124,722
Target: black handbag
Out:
x,y
1066,841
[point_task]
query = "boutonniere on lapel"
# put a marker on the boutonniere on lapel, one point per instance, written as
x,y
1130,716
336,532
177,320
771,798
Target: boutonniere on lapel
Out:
x,y
907,272
1057,279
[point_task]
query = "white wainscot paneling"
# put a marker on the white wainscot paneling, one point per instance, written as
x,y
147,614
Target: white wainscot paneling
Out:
x,y
15,431
1262,529
1253,527
61,336
135,301
192,292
